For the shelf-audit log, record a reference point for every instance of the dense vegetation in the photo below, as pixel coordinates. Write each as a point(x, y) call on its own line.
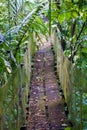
point(71, 19)
point(20, 18)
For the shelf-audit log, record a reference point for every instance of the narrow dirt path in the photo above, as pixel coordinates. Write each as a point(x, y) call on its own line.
point(46, 110)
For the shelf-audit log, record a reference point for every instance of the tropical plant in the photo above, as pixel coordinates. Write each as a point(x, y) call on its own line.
point(71, 18)
point(19, 20)
point(22, 20)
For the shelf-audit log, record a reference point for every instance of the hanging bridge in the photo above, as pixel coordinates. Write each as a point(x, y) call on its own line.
point(46, 108)
point(42, 90)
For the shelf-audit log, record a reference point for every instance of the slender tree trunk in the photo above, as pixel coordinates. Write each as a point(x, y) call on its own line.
point(9, 19)
point(16, 15)
point(50, 18)
point(73, 28)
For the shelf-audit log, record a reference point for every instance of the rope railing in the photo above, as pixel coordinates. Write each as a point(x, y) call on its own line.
point(73, 81)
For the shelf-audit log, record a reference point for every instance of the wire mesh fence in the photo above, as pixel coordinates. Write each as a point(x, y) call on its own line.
point(74, 83)
point(14, 93)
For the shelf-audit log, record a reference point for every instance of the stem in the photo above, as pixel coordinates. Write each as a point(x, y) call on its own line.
point(73, 28)
point(77, 45)
point(71, 48)
point(50, 18)
point(81, 31)
point(9, 19)
point(17, 48)
point(81, 96)
point(16, 17)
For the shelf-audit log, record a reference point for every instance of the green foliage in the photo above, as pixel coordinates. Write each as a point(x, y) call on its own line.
point(10, 102)
point(67, 128)
point(22, 23)
point(19, 20)
point(71, 19)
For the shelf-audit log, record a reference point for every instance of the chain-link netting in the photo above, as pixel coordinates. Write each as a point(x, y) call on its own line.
point(14, 94)
point(74, 83)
